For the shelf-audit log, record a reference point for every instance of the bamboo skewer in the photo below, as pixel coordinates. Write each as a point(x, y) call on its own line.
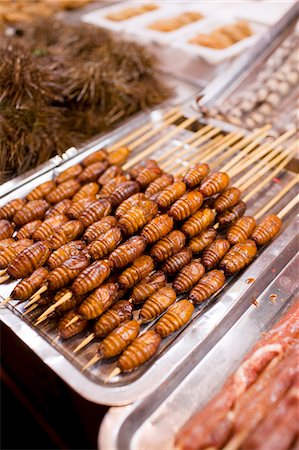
point(91, 362)
point(27, 311)
point(52, 308)
point(5, 301)
point(85, 342)
point(113, 374)
point(3, 271)
point(288, 207)
point(73, 320)
point(4, 278)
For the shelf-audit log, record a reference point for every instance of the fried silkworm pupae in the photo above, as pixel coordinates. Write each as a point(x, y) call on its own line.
point(118, 313)
point(63, 191)
point(201, 220)
point(109, 174)
point(119, 339)
point(97, 229)
point(176, 262)
point(4, 243)
point(127, 204)
point(241, 230)
point(175, 318)
point(186, 206)
point(168, 246)
point(67, 271)
point(92, 277)
point(196, 174)
point(61, 208)
point(188, 276)
point(123, 191)
point(26, 287)
point(89, 190)
point(77, 208)
point(213, 254)
point(95, 211)
point(68, 304)
point(207, 286)
point(142, 267)
point(228, 199)
point(238, 257)
point(266, 230)
point(99, 301)
point(6, 229)
point(63, 253)
point(8, 254)
point(31, 211)
point(8, 211)
point(33, 257)
point(216, 182)
point(170, 194)
point(157, 228)
point(127, 252)
point(228, 217)
point(68, 174)
point(140, 351)
point(147, 175)
point(110, 187)
point(93, 171)
point(27, 230)
point(107, 243)
point(68, 232)
point(49, 227)
point(159, 184)
point(98, 156)
point(65, 331)
point(202, 240)
point(138, 216)
point(156, 304)
point(147, 286)
point(118, 157)
point(145, 164)
point(41, 191)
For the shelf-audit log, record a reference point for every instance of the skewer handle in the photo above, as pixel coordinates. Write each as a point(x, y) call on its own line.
point(288, 207)
point(85, 342)
point(113, 374)
point(91, 362)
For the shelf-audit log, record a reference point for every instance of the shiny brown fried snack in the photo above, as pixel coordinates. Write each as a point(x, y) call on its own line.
point(213, 254)
point(138, 216)
point(119, 339)
point(118, 157)
point(99, 301)
point(95, 212)
point(156, 304)
point(89, 190)
point(238, 257)
point(145, 164)
point(157, 228)
point(186, 206)
point(67, 232)
point(77, 208)
point(127, 204)
point(106, 244)
point(49, 227)
point(147, 175)
point(98, 156)
point(201, 220)
point(67, 272)
point(196, 175)
point(61, 208)
point(109, 174)
point(26, 287)
point(110, 187)
point(176, 262)
point(228, 217)
point(97, 229)
point(92, 277)
point(8, 211)
point(33, 257)
point(31, 211)
point(228, 199)
point(148, 286)
point(66, 331)
point(63, 253)
point(159, 184)
point(69, 174)
point(241, 230)
point(41, 191)
point(199, 242)
point(63, 191)
point(142, 267)
point(123, 191)
point(5, 243)
point(27, 230)
point(266, 230)
point(170, 194)
point(127, 252)
point(175, 318)
point(10, 252)
point(188, 276)
point(207, 286)
point(6, 229)
point(168, 246)
point(118, 313)
point(93, 171)
point(216, 182)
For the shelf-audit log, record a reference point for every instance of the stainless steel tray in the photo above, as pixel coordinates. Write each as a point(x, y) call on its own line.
point(153, 422)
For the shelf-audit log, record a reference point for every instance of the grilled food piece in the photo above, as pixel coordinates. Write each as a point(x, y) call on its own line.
point(49, 227)
point(10, 252)
point(106, 244)
point(196, 175)
point(199, 242)
point(6, 229)
point(118, 313)
point(119, 339)
point(123, 191)
point(118, 157)
point(69, 174)
point(26, 287)
point(4, 243)
point(147, 175)
point(31, 258)
point(159, 184)
point(99, 301)
point(266, 230)
point(142, 267)
point(176, 262)
point(207, 286)
point(99, 228)
point(89, 190)
point(170, 194)
point(238, 257)
point(213, 254)
point(157, 228)
point(216, 182)
point(65, 331)
point(201, 220)
point(77, 208)
point(186, 206)
point(241, 230)
point(168, 246)
point(156, 304)
point(8, 211)
point(148, 286)
point(98, 156)
point(128, 204)
point(27, 230)
point(127, 252)
point(109, 174)
point(41, 191)
point(110, 187)
point(67, 232)
point(61, 208)
point(188, 276)
point(31, 211)
point(175, 318)
point(228, 217)
point(63, 191)
point(228, 199)
point(93, 171)
point(95, 211)
point(63, 253)
point(138, 216)
point(67, 271)
point(92, 277)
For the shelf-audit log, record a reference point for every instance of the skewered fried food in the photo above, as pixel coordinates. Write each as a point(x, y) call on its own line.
point(92, 277)
point(147, 175)
point(119, 339)
point(145, 164)
point(176, 262)
point(138, 216)
point(156, 304)
point(99, 301)
point(41, 191)
point(68, 174)
point(170, 194)
point(95, 211)
point(207, 286)
point(241, 230)
point(6, 229)
point(89, 190)
point(194, 176)
point(230, 216)
point(61, 208)
point(63, 253)
point(49, 227)
point(142, 267)
point(123, 191)
point(98, 156)
point(228, 199)
point(120, 312)
point(159, 184)
point(175, 318)
point(107, 243)
point(109, 174)
point(238, 257)
point(201, 220)
point(148, 286)
point(266, 230)
point(66, 332)
point(127, 252)
point(63, 191)
point(97, 229)
point(26, 287)
point(213, 254)
point(8, 211)
point(157, 228)
point(31, 211)
point(199, 242)
point(128, 204)
point(216, 182)
point(168, 246)
point(77, 208)
point(67, 232)
point(118, 157)
point(186, 206)
point(93, 171)
point(4, 243)
point(110, 187)
point(27, 230)
point(68, 304)
point(188, 276)
point(67, 271)
point(174, 23)
point(31, 258)
point(10, 253)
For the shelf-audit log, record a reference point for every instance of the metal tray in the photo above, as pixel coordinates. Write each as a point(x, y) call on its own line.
point(153, 422)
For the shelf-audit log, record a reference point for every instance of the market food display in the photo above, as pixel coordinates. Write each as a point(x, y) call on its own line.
point(128, 13)
point(174, 23)
point(224, 36)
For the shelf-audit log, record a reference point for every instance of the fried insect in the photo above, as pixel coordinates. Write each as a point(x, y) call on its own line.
point(228, 217)
point(67, 271)
point(77, 208)
point(213, 254)
point(6, 229)
point(97, 229)
point(127, 252)
point(207, 286)
point(120, 312)
point(68, 174)
point(128, 204)
point(26, 287)
point(148, 286)
point(61, 208)
point(216, 182)
point(99, 301)
point(92, 277)
point(140, 351)
point(63, 253)
point(65, 331)
point(9, 253)
point(159, 184)
point(63, 191)
point(238, 257)
point(89, 190)
point(110, 187)
point(67, 232)
point(186, 206)
point(109, 174)
point(119, 339)
point(142, 267)
point(147, 175)
point(175, 318)
point(118, 157)
point(33, 257)
point(8, 211)
point(266, 230)
point(170, 194)
point(68, 304)
point(93, 171)
point(95, 211)
point(241, 230)
point(107, 243)
point(49, 227)
point(145, 164)
point(31, 211)
point(202, 240)
point(157, 228)
point(98, 156)
point(4, 243)
point(201, 220)
point(196, 174)
point(156, 304)
point(176, 262)
point(41, 191)
point(138, 216)
point(168, 246)
point(123, 191)
point(27, 230)
point(188, 276)
point(228, 199)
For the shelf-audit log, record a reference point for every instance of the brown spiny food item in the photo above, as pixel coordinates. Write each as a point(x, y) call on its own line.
point(196, 174)
point(228, 217)
point(26, 287)
point(140, 351)
point(77, 208)
point(176, 262)
point(145, 164)
point(238, 257)
point(186, 206)
point(61, 208)
point(241, 230)
point(148, 286)
point(157, 228)
point(207, 286)
point(6, 229)
point(63, 253)
point(34, 256)
point(68, 174)
point(41, 191)
point(9, 253)
point(175, 318)
point(8, 211)
point(127, 252)
point(216, 182)
point(213, 254)
point(31, 211)
point(95, 211)
point(142, 267)
point(49, 227)
point(4, 243)
point(67, 271)
point(106, 244)
point(138, 216)
point(170, 194)
point(127, 204)
point(266, 230)
point(119, 339)
point(109, 174)
point(118, 313)
point(89, 190)
point(65, 331)
point(157, 303)
point(93, 171)
point(118, 157)
point(228, 199)
point(99, 228)
point(123, 191)
point(67, 232)
point(199, 242)
point(159, 184)
point(98, 156)
point(27, 230)
point(168, 246)
point(201, 220)
point(92, 277)
point(188, 276)
point(99, 301)
point(63, 191)
point(147, 175)
point(110, 187)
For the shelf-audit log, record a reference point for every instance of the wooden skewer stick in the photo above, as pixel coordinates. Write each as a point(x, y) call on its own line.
point(85, 342)
point(3, 271)
point(231, 138)
point(113, 374)
point(52, 308)
point(91, 362)
point(4, 278)
point(32, 301)
point(288, 207)
point(35, 305)
point(40, 291)
point(73, 320)
point(5, 301)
